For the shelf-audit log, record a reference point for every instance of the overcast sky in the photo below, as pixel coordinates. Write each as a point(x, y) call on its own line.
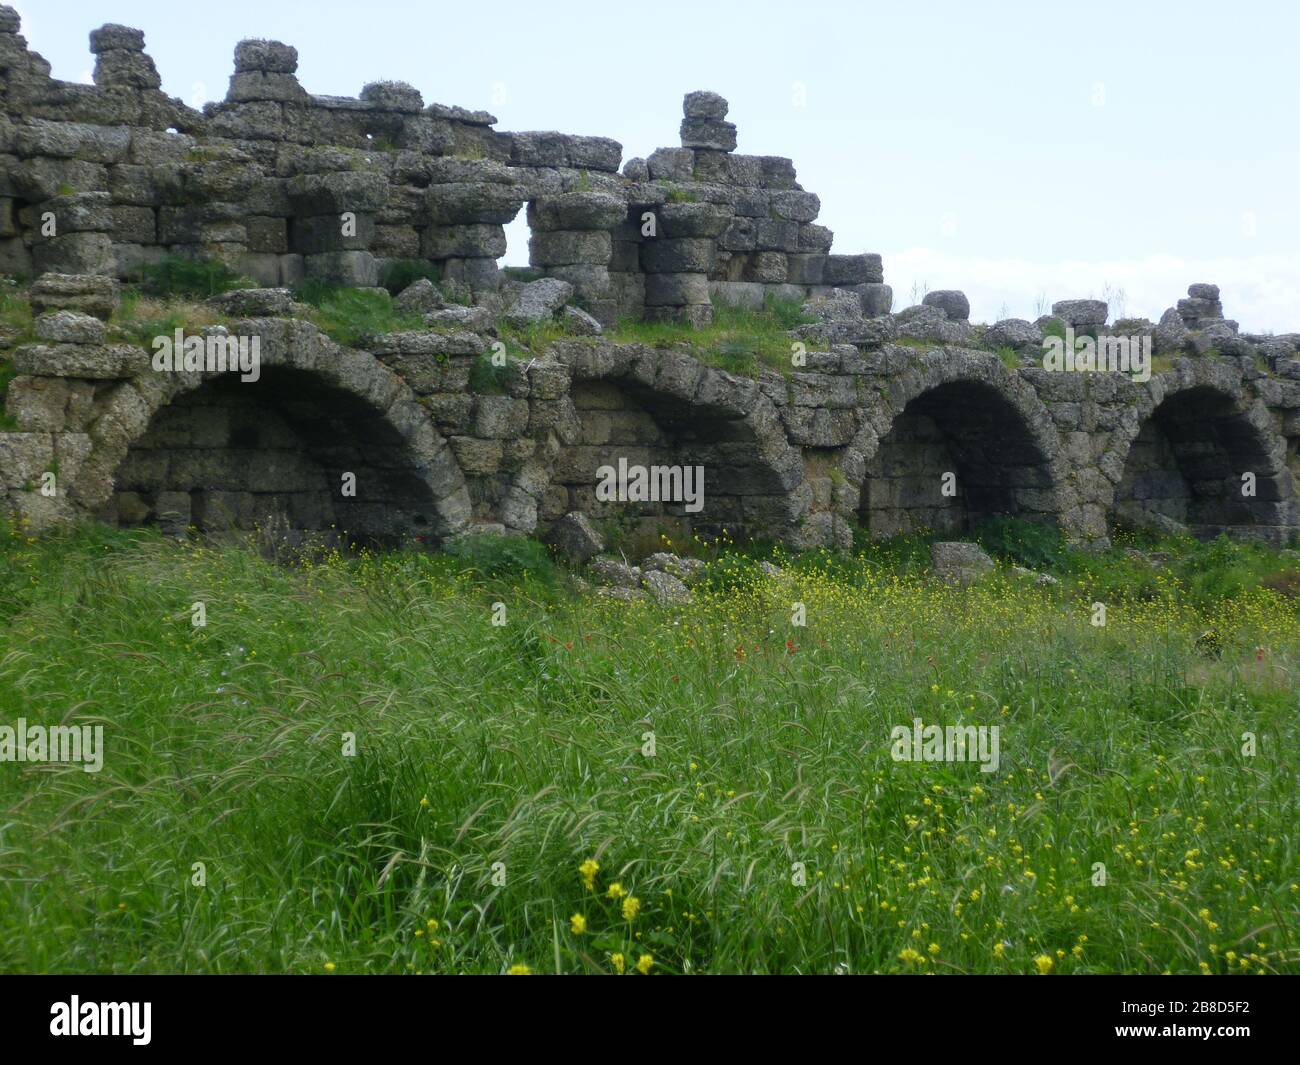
point(1022, 152)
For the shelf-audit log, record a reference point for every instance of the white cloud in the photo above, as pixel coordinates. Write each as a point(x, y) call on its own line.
point(1261, 292)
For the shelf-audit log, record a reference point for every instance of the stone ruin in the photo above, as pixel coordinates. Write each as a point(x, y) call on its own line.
point(259, 180)
point(861, 432)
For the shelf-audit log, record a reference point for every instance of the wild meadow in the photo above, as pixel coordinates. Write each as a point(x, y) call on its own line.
point(348, 768)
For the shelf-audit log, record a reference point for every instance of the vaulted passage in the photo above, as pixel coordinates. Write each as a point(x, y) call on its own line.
point(746, 485)
point(1186, 466)
point(273, 455)
point(967, 430)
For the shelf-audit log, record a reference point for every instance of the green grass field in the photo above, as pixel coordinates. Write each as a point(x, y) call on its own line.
point(507, 806)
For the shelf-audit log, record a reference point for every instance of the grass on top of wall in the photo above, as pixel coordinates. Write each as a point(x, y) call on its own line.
point(740, 340)
point(351, 316)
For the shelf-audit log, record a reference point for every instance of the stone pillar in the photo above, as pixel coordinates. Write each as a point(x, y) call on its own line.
point(70, 234)
point(572, 239)
point(265, 71)
point(333, 224)
point(120, 60)
point(678, 259)
point(466, 209)
point(627, 282)
point(52, 399)
point(14, 257)
point(265, 80)
point(26, 74)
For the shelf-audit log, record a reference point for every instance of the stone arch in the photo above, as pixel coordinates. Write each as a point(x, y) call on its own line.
point(1183, 450)
point(205, 448)
point(665, 408)
point(965, 414)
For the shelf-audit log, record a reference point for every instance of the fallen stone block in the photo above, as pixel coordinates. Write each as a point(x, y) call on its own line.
point(576, 538)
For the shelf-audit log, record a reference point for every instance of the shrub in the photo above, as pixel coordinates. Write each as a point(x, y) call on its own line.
point(904, 554)
point(401, 273)
point(352, 315)
point(485, 379)
point(1285, 583)
point(504, 557)
point(1025, 542)
point(174, 276)
point(787, 313)
point(732, 571)
point(522, 273)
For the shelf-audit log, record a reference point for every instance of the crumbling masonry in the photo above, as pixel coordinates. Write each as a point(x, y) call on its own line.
point(861, 431)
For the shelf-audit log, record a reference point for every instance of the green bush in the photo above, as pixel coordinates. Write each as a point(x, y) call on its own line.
point(401, 273)
point(177, 277)
point(785, 312)
point(522, 273)
point(504, 557)
point(902, 554)
point(1025, 542)
point(731, 571)
point(353, 315)
point(485, 379)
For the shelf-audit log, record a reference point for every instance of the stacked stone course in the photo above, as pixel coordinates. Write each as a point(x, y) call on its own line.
point(262, 180)
point(287, 186)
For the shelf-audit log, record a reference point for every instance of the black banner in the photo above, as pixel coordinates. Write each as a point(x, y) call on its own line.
point(83, 1015)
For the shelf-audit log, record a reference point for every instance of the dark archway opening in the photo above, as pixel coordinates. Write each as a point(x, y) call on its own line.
point(274, 456)
point(956, 456)
point(1184, 470)
point(743, 491)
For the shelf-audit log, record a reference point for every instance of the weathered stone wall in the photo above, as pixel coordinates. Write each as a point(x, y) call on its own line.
point(863, 430)
point(262, 180)
point(866, 437)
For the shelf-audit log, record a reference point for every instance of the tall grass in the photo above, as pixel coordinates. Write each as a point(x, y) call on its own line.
point(491, 762)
